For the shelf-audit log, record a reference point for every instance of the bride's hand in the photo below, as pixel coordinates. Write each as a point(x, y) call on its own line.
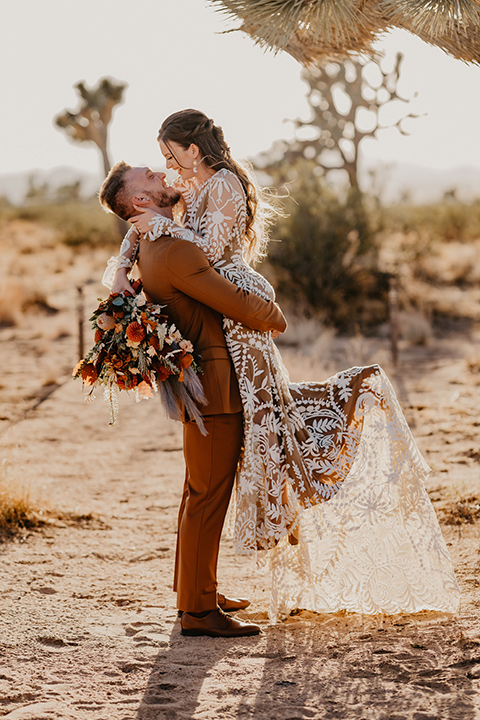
point(143, 218)
point(121, 284)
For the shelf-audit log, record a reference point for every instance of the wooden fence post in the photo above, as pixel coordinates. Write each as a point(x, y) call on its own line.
point(393, 318)
point(80, 318)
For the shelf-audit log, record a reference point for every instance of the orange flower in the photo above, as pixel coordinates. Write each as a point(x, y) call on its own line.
point(154, 342)
point(121, 382)
point(135, 332)
point(98, 335)
point(185, 361)
point(89, 374)
point(162, 372)
point(144, 390)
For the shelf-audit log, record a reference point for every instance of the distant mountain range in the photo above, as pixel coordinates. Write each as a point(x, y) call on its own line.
point(422, 185)
point(394, 182)
point(14, 186)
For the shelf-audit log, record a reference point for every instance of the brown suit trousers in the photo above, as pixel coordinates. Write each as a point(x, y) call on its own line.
point(177, 274)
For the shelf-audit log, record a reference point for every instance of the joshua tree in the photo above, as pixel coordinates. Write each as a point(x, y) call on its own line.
point(90, 122)
point(319, 30)
point(346, 102)
point(328, 256)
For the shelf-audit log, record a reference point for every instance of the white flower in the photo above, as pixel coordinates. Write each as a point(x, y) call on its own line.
point(176, 335)
point(186, 345)
point(161, 332)
point(106, 322)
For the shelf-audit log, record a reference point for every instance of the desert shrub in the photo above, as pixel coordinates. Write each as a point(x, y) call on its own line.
point(449, 220)
point(18, 298)
point(465, 511)
point(12, 298)
point(451, 263)
point(78, 223)
point(17, 509)
point(325, 259)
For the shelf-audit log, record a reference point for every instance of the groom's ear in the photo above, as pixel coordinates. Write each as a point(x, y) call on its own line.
point(140, 200)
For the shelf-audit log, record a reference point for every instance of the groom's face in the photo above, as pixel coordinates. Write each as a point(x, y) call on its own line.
point(146, 183)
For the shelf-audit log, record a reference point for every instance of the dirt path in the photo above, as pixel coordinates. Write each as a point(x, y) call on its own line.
point(88, 626)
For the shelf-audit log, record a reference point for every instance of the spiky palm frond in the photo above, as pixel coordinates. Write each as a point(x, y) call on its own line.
point(461, 44)
point(435, 18)
point(312, 30)
point(276, 21)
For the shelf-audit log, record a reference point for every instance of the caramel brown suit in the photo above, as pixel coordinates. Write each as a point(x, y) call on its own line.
point(177, 274)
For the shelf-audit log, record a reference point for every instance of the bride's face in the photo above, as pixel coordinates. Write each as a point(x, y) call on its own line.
point(179, 158)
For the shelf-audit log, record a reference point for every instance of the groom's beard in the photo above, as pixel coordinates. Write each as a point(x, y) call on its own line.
point(162, 198)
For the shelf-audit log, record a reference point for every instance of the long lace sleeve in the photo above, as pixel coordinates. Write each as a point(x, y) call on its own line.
point(125, 258)
point(225, 216)
point(162, 225)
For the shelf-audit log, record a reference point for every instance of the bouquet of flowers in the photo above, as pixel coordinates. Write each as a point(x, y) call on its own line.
point(136, 348)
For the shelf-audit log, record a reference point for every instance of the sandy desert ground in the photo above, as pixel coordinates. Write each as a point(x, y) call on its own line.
point(88, 625)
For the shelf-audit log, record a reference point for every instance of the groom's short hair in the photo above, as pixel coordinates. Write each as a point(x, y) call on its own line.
point(114, 194)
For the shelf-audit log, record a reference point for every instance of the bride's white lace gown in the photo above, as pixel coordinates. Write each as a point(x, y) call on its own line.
point(330, 488)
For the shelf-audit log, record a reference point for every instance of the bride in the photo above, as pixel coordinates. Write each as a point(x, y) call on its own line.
point(330, 487)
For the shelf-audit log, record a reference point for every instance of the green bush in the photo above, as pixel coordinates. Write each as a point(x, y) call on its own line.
point(325, 260)
point(78, 223)
point(448, 220)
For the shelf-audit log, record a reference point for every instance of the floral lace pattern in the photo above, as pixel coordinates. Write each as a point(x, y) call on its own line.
point(123, 259)
point(214, 214)
point(376, 545)
point(330, 488)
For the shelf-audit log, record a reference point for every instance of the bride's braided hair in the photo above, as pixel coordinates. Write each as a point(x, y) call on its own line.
point(192, 126)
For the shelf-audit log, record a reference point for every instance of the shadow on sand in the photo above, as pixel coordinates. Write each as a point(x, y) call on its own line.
point(344, 667)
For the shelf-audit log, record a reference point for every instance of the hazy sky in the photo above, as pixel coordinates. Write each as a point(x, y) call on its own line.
point(172, 55)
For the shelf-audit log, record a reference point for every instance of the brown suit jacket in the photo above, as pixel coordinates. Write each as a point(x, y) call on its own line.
point(177, 274)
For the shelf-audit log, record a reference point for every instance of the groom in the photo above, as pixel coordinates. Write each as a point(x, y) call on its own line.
point(177, 274)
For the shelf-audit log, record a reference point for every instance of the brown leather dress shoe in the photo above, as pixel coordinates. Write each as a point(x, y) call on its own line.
point(232, 604)
point(217, 624)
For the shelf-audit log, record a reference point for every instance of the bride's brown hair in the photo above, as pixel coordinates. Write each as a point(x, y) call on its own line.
point(192, 126)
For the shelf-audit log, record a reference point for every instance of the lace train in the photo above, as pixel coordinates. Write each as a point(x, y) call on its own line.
point(330, 488)
point(376, 546)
